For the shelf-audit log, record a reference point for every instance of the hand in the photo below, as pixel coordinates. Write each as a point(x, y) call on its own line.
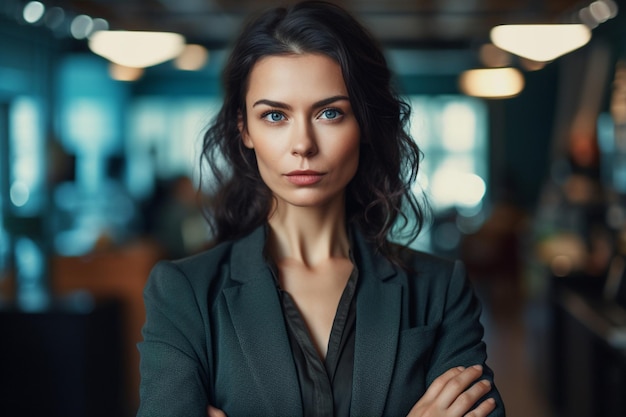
point(450, 395)
point(215, 412)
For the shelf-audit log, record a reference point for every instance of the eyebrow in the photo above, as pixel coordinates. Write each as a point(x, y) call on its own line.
point(280, 105)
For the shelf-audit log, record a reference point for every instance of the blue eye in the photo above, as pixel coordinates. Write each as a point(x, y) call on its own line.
point(330, 114)
point(274, 116)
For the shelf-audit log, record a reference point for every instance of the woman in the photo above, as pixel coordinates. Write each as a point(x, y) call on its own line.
point(304, 307)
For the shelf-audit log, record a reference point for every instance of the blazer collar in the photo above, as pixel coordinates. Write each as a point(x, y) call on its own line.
point(248, 258)
point(370, 259)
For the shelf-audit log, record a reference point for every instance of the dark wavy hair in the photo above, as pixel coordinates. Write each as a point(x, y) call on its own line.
point(380, 193)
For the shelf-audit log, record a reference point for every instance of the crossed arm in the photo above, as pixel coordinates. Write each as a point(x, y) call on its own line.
point(453, 394)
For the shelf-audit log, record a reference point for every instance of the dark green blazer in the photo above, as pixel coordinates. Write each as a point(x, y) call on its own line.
point(215, 333)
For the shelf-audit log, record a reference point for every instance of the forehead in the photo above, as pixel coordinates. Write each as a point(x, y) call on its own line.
point(303, 75)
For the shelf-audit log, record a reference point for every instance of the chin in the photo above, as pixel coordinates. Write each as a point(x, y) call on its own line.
point(312, 200)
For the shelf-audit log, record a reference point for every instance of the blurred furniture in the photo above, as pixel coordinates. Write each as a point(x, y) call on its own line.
point(588, 350)
point(62, 362)
point(121, 273)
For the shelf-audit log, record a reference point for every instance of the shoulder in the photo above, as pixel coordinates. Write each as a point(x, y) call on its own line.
point(417, 262)
point(192, 275)
point(207, 262)
point(436, 287)
point(428, 273)
point(227, 264)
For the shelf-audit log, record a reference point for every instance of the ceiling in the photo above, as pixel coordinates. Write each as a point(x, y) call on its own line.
point(411, 23)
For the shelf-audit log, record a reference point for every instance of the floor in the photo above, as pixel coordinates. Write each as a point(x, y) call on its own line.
point(512, 323)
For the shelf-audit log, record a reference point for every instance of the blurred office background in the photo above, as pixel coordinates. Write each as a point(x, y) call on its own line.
point(99, 167)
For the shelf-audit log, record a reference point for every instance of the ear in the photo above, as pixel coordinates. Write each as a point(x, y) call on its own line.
point(243, 132)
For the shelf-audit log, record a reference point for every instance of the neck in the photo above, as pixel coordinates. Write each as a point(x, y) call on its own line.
point(308, 235)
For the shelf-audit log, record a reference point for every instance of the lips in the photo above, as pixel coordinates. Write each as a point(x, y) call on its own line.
point(304, 177)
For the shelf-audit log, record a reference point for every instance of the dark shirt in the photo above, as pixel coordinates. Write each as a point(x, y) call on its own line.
point(325, 385)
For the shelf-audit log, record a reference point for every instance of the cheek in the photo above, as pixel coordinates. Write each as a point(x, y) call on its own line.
point(354, 162)
point(267, 161)
point(347, 162)
point(266, 154)
point(258, 143)
point(265, 171)
point(349, 151)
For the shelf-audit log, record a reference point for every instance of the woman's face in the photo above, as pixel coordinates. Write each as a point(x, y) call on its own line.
point(301, 126)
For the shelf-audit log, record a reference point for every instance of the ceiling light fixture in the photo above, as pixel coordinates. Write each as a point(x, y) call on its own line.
point(493, 57)
point(541, 43)
point(122, 73)
point(192, 58)
point(136, 48)
point(492, 82)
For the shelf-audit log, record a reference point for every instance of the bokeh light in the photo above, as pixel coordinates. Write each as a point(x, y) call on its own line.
point(33, 11)
point(81, 27)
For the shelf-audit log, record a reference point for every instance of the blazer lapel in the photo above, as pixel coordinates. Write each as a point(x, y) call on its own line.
point(257, 317)
point(255, 311)
point(378, 313)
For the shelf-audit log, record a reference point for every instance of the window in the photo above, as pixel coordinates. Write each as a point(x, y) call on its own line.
point(165, 139)
point(24, 203)
point(26, 158)
point(451, 131)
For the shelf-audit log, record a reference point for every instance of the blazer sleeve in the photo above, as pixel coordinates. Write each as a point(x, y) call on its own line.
point(173, 375)
point(460, 338)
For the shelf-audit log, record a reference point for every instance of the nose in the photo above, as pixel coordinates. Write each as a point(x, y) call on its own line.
point(304, 143)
